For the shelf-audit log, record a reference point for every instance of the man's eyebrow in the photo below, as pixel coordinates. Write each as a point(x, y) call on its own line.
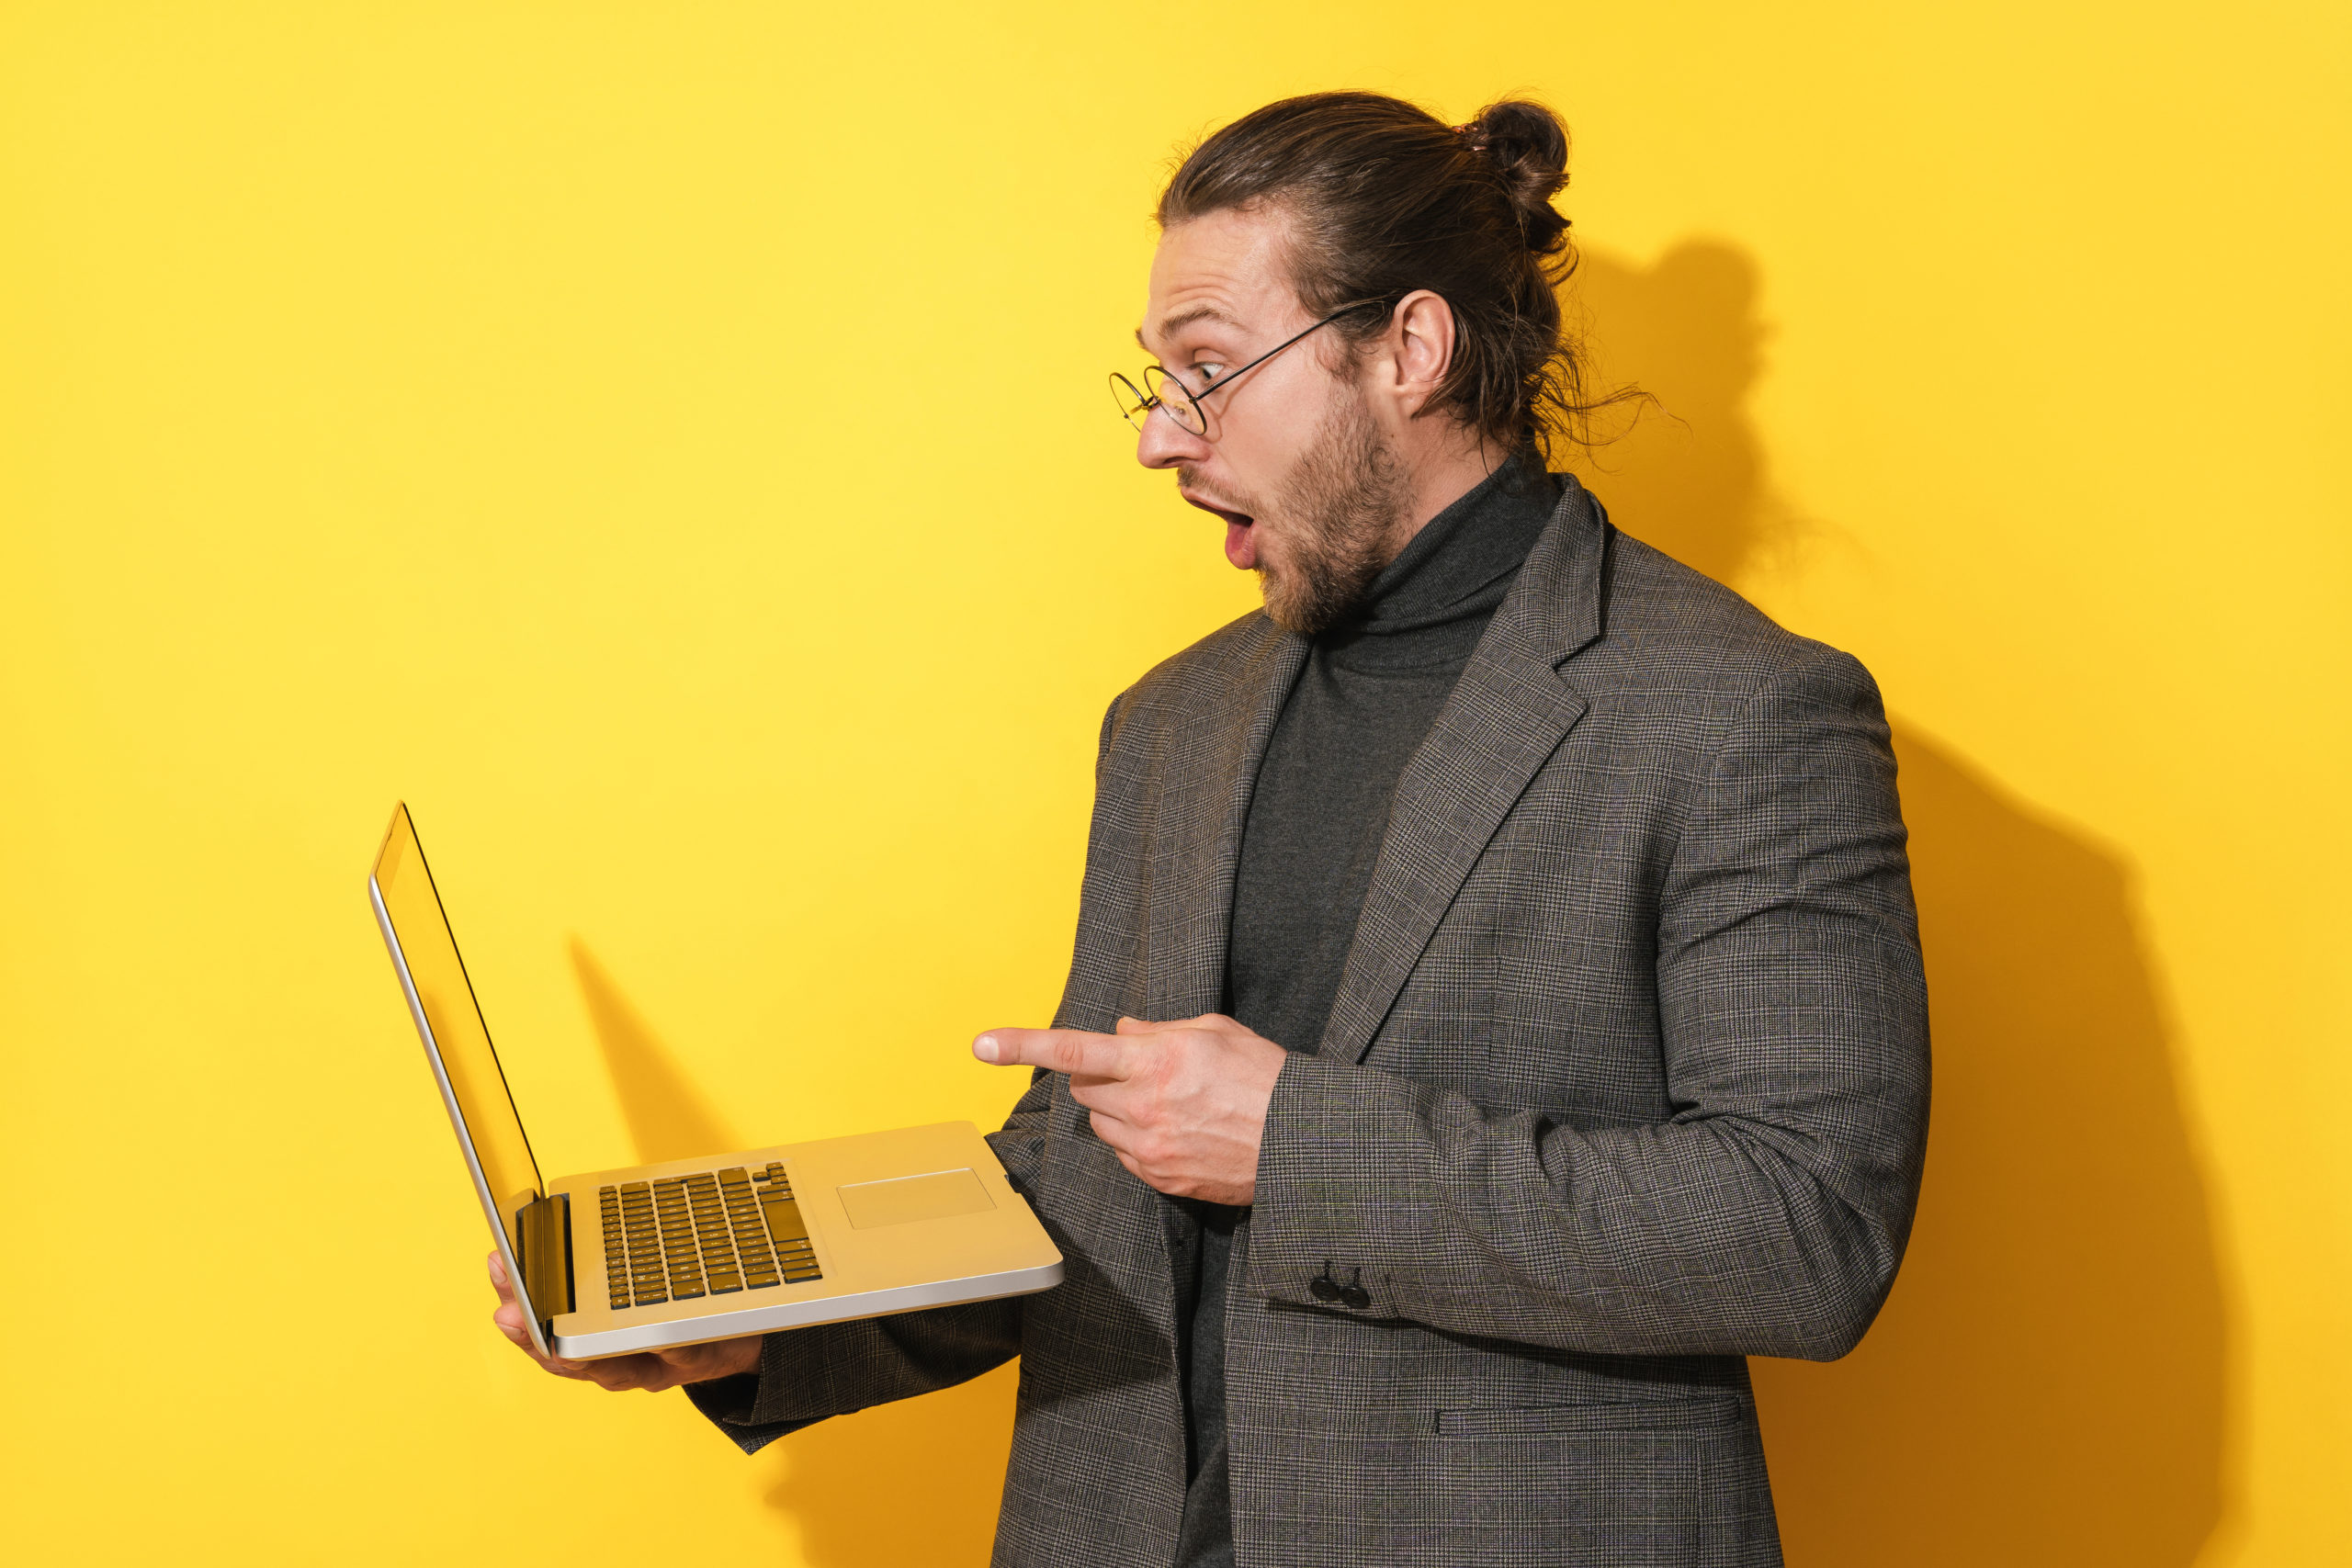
point(1186, 318)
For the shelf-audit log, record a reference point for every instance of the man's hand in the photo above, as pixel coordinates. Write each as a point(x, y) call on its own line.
point(1182, 1104)
point(652, 1370)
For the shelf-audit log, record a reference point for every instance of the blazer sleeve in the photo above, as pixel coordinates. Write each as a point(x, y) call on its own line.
point(1767, 1213)
point(808, 1374)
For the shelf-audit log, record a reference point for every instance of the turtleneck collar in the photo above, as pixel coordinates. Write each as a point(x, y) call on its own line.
point(1449, 580)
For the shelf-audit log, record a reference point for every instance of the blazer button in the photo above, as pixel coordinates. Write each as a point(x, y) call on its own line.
point(1355, 1296)
point(1324, 1288)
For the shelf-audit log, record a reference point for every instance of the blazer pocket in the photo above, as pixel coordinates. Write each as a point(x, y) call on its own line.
point(1692, 1413)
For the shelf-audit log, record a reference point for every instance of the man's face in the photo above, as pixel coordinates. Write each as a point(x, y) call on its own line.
point(1293, 461)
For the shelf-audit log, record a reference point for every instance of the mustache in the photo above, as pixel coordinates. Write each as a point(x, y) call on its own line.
point(1188, 478)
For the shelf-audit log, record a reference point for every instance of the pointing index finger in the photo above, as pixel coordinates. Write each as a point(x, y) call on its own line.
point(1058, 1050)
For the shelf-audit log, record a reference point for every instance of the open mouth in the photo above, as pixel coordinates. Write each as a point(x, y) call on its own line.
point(1241, 538)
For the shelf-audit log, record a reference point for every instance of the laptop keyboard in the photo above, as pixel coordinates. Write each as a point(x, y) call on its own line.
point(706, 1235)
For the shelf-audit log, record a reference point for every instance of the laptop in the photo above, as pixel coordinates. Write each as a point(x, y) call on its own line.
point(642, 1258)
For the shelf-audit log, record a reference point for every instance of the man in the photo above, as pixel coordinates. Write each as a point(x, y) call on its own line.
point(1497, 1005)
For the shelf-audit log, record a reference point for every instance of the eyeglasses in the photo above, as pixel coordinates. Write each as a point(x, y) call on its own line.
point(1169, 394)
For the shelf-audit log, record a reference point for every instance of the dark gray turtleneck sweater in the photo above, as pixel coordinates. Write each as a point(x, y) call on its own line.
point(1365, 700)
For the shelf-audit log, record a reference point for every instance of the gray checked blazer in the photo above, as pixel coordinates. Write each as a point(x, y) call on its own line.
point(1626, 1081)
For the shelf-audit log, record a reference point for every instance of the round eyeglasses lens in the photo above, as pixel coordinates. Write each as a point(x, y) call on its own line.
point(1133, 406)
point(1174, 400)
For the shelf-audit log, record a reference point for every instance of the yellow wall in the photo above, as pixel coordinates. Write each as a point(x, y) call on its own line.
point(666, 444)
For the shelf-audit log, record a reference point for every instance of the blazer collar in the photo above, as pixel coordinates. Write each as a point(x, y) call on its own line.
point(1208, 773)
point(1553, 610)
point(1507, 715)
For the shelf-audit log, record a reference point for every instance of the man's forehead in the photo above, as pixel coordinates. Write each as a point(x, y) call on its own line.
point(1223, 269)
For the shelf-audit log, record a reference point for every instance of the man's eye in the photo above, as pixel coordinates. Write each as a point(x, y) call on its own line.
point(1204, 376)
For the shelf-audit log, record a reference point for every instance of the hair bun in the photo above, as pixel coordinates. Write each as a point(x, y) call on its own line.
point(1529, 148)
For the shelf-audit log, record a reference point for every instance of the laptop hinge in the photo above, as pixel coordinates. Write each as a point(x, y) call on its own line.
point(545, 1225)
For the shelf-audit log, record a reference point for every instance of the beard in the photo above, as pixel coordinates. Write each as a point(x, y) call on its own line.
point(1338, 513)
point(1343, 502)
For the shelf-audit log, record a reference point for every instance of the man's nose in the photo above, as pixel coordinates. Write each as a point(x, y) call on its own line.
point(1164, 444)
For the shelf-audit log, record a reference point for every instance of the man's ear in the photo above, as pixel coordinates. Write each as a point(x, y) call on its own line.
point(1420, 333)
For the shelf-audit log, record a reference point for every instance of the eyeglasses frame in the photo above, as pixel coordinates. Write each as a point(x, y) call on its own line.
point(1147, 398)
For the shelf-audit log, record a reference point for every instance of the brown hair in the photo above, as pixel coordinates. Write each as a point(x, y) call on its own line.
point(1385, 199)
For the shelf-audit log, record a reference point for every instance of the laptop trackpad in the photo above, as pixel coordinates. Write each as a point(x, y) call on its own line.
point(902, 1200)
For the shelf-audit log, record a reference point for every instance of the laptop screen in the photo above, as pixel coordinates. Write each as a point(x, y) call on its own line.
point(453, 1021)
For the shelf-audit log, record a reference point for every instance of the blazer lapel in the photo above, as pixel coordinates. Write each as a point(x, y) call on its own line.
point(1505, 717)
point(1209, 772)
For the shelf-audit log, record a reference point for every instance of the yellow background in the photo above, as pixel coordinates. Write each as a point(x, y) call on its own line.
point(666, 444)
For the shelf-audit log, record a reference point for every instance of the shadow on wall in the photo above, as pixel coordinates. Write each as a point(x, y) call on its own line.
point(914, 1483)
point(1685, 473)
point(2045, 1387)
point(667, 1116)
